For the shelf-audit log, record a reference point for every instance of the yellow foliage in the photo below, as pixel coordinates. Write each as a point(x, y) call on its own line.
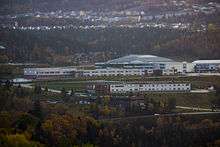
point(18, 140)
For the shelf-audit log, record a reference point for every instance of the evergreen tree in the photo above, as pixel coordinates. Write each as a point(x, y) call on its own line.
point(46, 89)
point(8, 84)
point(72, 92)
point(37, 89)
point(19, 91)
point(64, 93)
point(37, 111)
point(171, 104)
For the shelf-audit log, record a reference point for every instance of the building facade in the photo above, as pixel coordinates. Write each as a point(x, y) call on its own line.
point(206, 66)
point(49, 73)
point(140, 87)
point(136, 62)
point(112, 72)
point(150, 87)
point(148, 64)
point(173, 68)
point(131, 65)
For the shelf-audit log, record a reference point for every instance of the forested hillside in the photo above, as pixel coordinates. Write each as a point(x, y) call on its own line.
point(201, 45)
point(60, 32)
point(27, 119)
point(44, 46)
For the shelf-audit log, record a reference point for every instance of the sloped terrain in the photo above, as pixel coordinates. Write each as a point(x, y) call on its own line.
point(203, 45)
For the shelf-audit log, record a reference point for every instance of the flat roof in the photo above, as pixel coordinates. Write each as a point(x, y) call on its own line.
point(52, 69)
point(206, 62)
point(137, 82)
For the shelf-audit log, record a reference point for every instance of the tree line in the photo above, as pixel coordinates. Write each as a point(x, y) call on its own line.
point(26, 119)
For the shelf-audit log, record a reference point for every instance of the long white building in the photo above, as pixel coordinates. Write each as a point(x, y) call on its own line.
point(150, 87)
point(112, 72)
point(49, 73)
point(206, 65)
point(169, 69)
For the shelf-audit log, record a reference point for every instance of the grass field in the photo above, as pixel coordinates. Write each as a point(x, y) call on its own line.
point(76, 86)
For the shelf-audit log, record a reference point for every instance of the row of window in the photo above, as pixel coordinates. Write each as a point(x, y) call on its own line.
point(94, 75)
point(112, 71)
point(152, 85)
point(118, 73)
point(152, 89)
point(48, 72)
point(55, 72)
point(163, 85)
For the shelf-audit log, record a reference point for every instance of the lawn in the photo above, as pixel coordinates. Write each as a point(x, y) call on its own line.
point(76, 86)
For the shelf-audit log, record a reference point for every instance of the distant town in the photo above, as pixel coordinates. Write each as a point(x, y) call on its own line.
point(130, 18)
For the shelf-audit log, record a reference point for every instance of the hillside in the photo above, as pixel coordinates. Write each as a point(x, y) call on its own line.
point(44, 46)
point(202, 45)
point(54, 31)
point(37, 46)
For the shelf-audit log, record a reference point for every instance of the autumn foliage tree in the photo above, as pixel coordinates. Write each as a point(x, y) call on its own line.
point(66, 130)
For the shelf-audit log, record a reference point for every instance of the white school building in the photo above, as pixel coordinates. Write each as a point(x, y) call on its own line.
point(150, 87)
point(49, 73)
point(112, 72)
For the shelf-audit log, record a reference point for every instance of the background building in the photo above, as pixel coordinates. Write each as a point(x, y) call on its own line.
point(173, 68)
point(131, 65)
point(147, 64)
point(49, 73)
point(206, 65)
point(136, 61)
point(112, 72)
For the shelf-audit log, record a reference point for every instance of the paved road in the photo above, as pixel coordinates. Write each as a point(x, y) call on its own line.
point(200, 91)
point(31, 87)
point(202, 74)
point(157, 115)
point(197, 108)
